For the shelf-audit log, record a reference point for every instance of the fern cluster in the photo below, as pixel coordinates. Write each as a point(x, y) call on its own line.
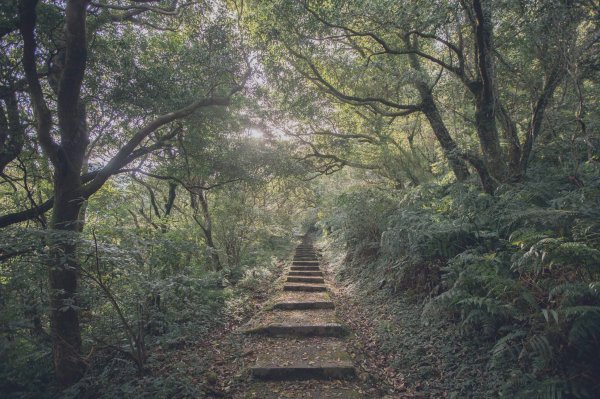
point(521, 268)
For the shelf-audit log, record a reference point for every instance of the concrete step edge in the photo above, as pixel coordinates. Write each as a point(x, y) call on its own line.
point(343, 370)
point(300, 330)
point(305, 288)
point(303, 305)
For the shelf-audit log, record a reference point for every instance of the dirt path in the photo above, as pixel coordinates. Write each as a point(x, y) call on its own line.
point(315, 338)
point(296, 346)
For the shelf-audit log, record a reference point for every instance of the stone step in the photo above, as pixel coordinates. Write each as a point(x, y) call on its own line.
point(307, 389)
point(305, 263)
point(314, 265)
point(304, 279)
point(304, 287)
point(295, 317)
point(305, 268)
point(300, 359)
point(300, 296)
point(300, 330)
point(303, 305)
point(306, 273)
point(302, 371)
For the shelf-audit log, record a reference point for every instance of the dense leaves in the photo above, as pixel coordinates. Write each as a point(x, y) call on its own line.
point(156, 155)
point(520, 268)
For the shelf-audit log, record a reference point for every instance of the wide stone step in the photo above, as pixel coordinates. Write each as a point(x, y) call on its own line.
point(300, 330)
point(305, 268)
point(304, 371)
point(307, 389)
point(312, 280)
point(306, 258)
point(306, 273)
point(299, 296)
point(305, 263)
point(313, 268)
point(304, 287)
point(300, 359)
point(303, 305)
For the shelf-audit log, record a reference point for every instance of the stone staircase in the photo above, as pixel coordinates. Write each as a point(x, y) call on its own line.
point(301, 337)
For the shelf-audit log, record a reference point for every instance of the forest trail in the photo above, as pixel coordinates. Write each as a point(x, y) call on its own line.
point(297, 342)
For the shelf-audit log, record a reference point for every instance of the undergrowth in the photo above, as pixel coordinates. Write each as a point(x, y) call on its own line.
point(520, 269)
point(147, 301)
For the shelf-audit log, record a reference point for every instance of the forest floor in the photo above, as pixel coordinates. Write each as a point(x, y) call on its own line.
point(394, 354)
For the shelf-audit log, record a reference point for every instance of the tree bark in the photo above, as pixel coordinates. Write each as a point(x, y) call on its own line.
point(67, 159)
point(511, 135)
point(442, 134)
point(12, 135)
point(488, 182)
point(63, 276)
point(214, 255)
point(551, 82)
point(484, 89)
point(206, 226)
point(430, 109)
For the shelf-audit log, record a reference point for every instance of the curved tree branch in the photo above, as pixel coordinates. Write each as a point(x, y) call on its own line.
point(27, 17)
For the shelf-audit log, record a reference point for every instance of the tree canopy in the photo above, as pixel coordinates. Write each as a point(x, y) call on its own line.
point(156, 156)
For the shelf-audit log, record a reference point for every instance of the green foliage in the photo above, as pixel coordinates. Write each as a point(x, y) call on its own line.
point(176, 240)
point(519, 268)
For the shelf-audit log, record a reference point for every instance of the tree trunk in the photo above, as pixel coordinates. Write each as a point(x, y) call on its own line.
point(551, 82)
point(63, 271)
point(207, 230)
point(488, 182)
point(12, 135)
point(67, 158)
point(485, 120)
point(484, 89)
point(511, 136)
point(436, 122)
point(443, 136)
point(67, 216)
